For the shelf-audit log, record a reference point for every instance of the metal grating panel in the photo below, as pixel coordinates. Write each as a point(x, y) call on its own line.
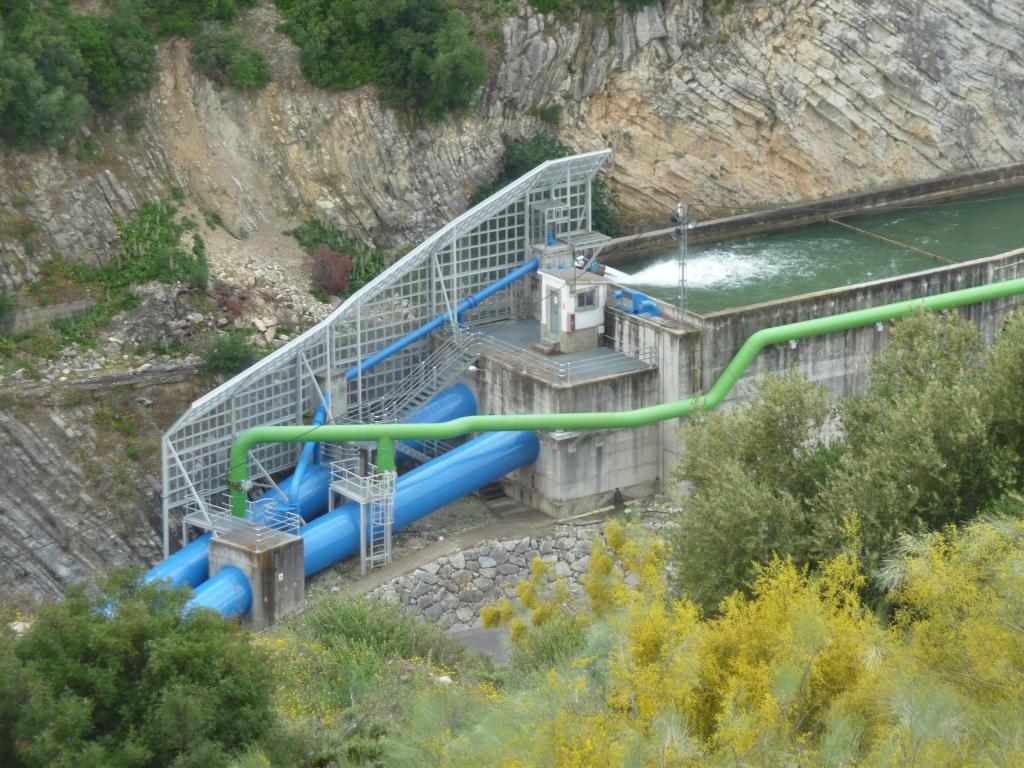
point(466, 255)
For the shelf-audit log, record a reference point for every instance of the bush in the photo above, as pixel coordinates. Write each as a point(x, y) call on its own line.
point(222, 55)
point(228, 353)
point(419, 52)
point(906, 461)
point(912, 462)
point(152, 249)
point(798, 673)
point(752, 473)
point(330, 270)
point(366, 262)
point(126, 677)
point(386, 630)
point(1002, 385)
point(183, 17)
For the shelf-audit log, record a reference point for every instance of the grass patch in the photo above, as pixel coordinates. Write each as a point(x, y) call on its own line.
point(228, 353)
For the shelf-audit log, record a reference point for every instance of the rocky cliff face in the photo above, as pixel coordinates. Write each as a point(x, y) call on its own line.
point(780, 100)
point(79, 481)
point(796, 99)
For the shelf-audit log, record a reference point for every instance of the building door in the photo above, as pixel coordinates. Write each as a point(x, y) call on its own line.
point(554, 312)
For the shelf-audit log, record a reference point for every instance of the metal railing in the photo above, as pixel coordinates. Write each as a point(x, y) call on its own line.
point(529, 361)
point(265, 521)
point(440, 369)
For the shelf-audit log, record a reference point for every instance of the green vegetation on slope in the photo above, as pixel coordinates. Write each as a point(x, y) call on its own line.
point(420, 53)
point(156, 245)
point(58, 66)
point(797, 666)
point(222, 55)
point(184, 18)
point(801, 672)
point(123, 677)
point(341, 265)
point(935, 440)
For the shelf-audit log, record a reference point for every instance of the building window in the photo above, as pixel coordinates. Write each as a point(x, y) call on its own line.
point(586, 300)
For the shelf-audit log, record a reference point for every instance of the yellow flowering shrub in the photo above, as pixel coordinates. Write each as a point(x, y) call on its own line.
point(794, 672)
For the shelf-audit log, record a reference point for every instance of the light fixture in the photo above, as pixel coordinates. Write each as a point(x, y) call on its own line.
point(681, 217)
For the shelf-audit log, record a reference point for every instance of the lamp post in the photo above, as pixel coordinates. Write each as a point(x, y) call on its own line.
point(681, 218)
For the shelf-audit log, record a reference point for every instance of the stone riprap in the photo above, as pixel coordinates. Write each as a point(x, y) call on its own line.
point(451, 590)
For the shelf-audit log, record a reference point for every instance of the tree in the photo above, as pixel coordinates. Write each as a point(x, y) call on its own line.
point(931, 442)
point(421, 54)
point(1002, 385)
point(456, 71)
point(919, 453)
point(222, 55)
point(56, 66)
point(127, 677)
point(751, 473)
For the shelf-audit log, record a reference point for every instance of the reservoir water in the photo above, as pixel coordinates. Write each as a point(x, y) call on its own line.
point(775, 266)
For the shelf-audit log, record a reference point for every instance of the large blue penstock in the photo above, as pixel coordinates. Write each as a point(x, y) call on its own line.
point(335, 536)
point(229, 594)
point(190, 564)
point(453, 403)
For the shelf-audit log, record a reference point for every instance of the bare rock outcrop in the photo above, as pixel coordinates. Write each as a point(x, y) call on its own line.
point(778, 100)
point(80, 487)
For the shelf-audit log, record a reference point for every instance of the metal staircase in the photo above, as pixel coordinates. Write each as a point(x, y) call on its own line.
point(442, 368)
point(374, 490)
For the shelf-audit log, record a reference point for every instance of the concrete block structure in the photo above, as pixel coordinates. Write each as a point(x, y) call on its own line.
point(274, 566)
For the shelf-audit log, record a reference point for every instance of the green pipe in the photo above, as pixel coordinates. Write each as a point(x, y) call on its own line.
point(238, 471)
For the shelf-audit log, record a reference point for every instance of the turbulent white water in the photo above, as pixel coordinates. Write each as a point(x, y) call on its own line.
point(712, 269)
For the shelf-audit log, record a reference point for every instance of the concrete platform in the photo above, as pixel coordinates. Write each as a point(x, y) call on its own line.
point(512, 342)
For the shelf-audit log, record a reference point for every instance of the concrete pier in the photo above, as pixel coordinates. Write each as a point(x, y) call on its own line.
point(274, 567)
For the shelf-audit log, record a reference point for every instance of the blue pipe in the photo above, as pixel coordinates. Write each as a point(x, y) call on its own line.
point(307, 454)
point(639, 304)
point(190, 564)
point(499, 285)
point(228, 593)
point(453, 403)
point(335, 536)
point(472, 465)
point(425, 330)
